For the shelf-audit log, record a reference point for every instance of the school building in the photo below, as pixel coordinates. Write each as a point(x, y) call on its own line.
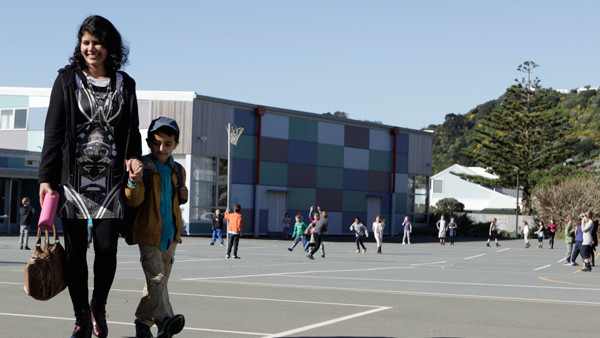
point(284, 161)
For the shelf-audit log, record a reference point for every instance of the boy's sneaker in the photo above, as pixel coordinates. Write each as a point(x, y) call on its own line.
point(142, 331)
point(221, 244)
point(236, 257)
point(497, 245)
point(171, 326)
point(309, 256)
point(212, 243)
point(227, 256)
point(567, 263)
point(290, 249)
point(487, 244)
point(574, 264)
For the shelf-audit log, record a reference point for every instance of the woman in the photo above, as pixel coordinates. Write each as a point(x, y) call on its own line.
point(360, 231)
point(493, 233)
point(551, 233)
point(540, 234)
point(526, 234)
point(442, 227)
point(90, 145)
point(587, 225)
point(378, 226)
point(569, 239)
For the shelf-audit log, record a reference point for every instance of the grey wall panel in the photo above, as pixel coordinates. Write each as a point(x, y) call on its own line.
point(180, 111)
point(419, 154)
point(209, 126)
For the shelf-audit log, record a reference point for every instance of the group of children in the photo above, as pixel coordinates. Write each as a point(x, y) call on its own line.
point(579, 239)
point(446, 229)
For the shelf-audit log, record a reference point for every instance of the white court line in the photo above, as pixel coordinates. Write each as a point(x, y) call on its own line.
point(328, 322)
point(541, 267)
point(416, 264)
point(562, 260)
point(503, 249)
point(131, 324)
point(181, 261)
point(474, 256)
point(295, 273)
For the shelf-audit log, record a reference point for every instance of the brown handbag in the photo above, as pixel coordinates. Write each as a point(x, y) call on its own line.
point(44, 273)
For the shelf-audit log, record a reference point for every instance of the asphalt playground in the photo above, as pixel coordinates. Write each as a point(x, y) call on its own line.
point(418, 290)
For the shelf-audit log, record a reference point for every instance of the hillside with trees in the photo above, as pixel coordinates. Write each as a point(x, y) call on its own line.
point(548, 135)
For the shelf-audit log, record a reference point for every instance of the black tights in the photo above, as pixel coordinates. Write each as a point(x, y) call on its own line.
point(106, 235)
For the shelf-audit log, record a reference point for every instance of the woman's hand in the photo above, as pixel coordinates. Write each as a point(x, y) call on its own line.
point(45, 188)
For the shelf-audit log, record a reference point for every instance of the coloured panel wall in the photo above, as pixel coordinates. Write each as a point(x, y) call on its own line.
point(242, 194)
point(303, 129)
point(242, 171)
point(245, 148)
point(330, 155)
point(300, 199)
point(401, 200)
point(330, 178)
point(331, 133)
point(302, 152)
point(356, 137)
point(380, 140)
point(401, 183)
point(380, 160)
point(356, 179)
point(274, 150)
point(245, 118)
point(380, 181)
point(356, 158)
point(402, 163)
point(355, 201)
point(272, 173)
point(334, 223)
point(302, 176)
point(330, 200)
point(275, 126)
point(402, 143)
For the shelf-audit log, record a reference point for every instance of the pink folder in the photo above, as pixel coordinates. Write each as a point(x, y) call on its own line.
point(49, 206)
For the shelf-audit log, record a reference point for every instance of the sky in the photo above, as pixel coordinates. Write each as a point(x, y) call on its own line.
point(402, 63)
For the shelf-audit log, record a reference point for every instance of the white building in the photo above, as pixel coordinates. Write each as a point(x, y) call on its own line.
point(475, 197)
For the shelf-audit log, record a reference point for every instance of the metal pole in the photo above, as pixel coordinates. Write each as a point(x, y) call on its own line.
point(517, 207)
point(228, 162)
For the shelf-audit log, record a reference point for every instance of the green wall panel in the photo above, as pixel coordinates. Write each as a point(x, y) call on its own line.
point(272, 173)
point(401, 203)
point(380, 160)
point(355, 201)
point(330, 178)
point(14, 101)
point(303, 129)
point(330, 155)
point(246, 148)
point(300, 199)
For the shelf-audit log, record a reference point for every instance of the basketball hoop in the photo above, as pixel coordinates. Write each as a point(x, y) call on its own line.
point(234, 133)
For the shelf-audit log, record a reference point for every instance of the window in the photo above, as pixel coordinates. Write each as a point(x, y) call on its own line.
point(13, 118)
point(209, 187)
point(438, 186)
point(418, 197)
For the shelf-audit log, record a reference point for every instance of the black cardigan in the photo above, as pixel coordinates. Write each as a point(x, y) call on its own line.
point(58, 155)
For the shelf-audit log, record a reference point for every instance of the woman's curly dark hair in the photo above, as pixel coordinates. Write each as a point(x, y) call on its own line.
point(109, 37)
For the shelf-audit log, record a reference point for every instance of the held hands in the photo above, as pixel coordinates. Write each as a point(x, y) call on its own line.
point(134, 169)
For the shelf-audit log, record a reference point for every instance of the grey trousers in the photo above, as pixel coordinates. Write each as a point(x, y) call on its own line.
point(24, 236)
point(155, 305)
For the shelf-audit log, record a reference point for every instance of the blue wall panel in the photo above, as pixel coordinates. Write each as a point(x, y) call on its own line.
point(302, 152)
point(275, 126)
point(401, 163)
point(243, 171)
point(356, 179)
point(247, 119)
point(402, 143)
point(263, 221)
point(380, 140)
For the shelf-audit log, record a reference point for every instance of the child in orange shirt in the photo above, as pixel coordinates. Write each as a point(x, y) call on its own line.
point(234, 230)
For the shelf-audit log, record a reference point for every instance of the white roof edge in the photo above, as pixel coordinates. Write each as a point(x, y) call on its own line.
point(166, 95)
point(141, 94)
point(26, 91)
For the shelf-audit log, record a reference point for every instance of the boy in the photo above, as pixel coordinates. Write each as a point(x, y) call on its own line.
point(234, 230)
point(298, 234)
point(158, 225)
point(26, 213)
point(320, 227)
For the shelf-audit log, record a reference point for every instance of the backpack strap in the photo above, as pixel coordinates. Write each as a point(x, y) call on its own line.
point(180, 182)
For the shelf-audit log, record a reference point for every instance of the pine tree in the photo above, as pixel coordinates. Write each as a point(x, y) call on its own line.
point(526, 132)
